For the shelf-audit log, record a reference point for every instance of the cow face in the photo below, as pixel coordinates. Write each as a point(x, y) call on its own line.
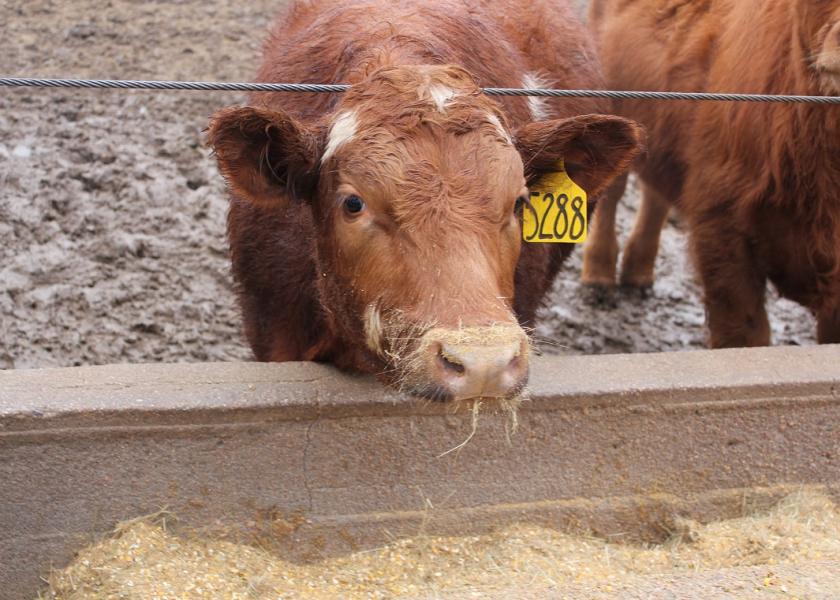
point(819, 32)
point(416, 185)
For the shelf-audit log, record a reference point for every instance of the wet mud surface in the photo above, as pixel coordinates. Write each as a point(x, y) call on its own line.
point(112, 211)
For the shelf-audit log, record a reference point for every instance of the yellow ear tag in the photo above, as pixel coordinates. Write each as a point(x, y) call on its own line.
point(557, 210)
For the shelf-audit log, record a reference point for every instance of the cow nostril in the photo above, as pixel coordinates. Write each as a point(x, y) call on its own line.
point(450, 363)
point(514, 362)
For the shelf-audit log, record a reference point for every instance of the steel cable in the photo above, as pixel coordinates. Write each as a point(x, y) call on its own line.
point(337, 88)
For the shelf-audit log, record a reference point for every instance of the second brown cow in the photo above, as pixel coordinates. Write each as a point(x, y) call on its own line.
point(757, 184)
point(380, 230)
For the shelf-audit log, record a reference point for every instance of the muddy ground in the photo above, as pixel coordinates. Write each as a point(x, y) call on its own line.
point(112, 212)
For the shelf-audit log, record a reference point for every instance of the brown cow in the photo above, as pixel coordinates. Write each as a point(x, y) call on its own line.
point(757, 184)
point(380, 229)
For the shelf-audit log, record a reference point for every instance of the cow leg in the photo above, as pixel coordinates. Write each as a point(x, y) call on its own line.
point(640, 252)
point(733, 282)
point(828, 326)
point(601, 250)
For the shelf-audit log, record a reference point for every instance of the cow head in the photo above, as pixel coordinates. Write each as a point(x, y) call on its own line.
point(819, 34)
point(416, 183)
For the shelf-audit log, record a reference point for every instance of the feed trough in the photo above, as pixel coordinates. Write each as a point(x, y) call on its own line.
point(611, 445)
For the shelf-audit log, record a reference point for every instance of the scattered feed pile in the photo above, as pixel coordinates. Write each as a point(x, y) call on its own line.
point(144, 560)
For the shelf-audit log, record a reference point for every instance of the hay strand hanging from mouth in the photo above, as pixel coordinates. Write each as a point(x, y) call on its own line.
point(509, 406)
point(475, 408)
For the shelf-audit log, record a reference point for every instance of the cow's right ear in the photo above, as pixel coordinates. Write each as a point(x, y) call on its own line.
point(266, 156)
point(594, 148)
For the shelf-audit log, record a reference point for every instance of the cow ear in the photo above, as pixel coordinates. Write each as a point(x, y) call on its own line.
point(266, 156)
point(594, 148)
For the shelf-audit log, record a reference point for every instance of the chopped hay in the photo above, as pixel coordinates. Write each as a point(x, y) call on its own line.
point(142, 560)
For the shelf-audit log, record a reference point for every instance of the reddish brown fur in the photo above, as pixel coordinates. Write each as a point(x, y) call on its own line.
point(440, 243)
point(757, 183)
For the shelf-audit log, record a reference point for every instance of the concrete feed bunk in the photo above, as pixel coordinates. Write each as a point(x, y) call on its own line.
point(615, 444)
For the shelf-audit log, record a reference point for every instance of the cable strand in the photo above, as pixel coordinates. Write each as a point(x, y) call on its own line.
point(338, 88)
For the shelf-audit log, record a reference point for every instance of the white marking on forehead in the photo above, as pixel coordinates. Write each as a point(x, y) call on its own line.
point(440, 95)
point(501, 129)
point(538, 106)
point(342, 131)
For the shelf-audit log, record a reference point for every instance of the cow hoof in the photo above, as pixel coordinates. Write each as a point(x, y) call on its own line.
point(637, 291)
point(599, 295)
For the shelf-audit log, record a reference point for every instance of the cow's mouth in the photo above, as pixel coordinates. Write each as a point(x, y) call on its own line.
point(435, 393)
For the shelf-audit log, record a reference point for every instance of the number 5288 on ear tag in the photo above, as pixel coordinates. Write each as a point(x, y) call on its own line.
point(557, 210)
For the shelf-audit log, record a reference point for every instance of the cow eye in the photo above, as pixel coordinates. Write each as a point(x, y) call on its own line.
point(354, 205)
point(520, 202)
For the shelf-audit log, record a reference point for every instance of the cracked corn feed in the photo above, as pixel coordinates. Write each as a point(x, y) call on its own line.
point(142, 560)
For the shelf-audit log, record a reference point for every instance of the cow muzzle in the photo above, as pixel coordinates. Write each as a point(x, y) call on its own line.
point(472, 362)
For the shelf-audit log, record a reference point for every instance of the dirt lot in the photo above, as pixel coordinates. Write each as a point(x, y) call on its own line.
point(112, 212)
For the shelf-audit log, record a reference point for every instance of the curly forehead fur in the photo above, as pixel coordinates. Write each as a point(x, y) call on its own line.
point(427, 135)
point(405, 97)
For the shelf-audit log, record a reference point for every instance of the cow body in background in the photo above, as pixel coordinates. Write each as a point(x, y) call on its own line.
point(380, 229)
point(757, 184)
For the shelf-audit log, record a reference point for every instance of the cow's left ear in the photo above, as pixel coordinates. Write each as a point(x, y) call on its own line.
point(595, 149)
point(267, 156)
